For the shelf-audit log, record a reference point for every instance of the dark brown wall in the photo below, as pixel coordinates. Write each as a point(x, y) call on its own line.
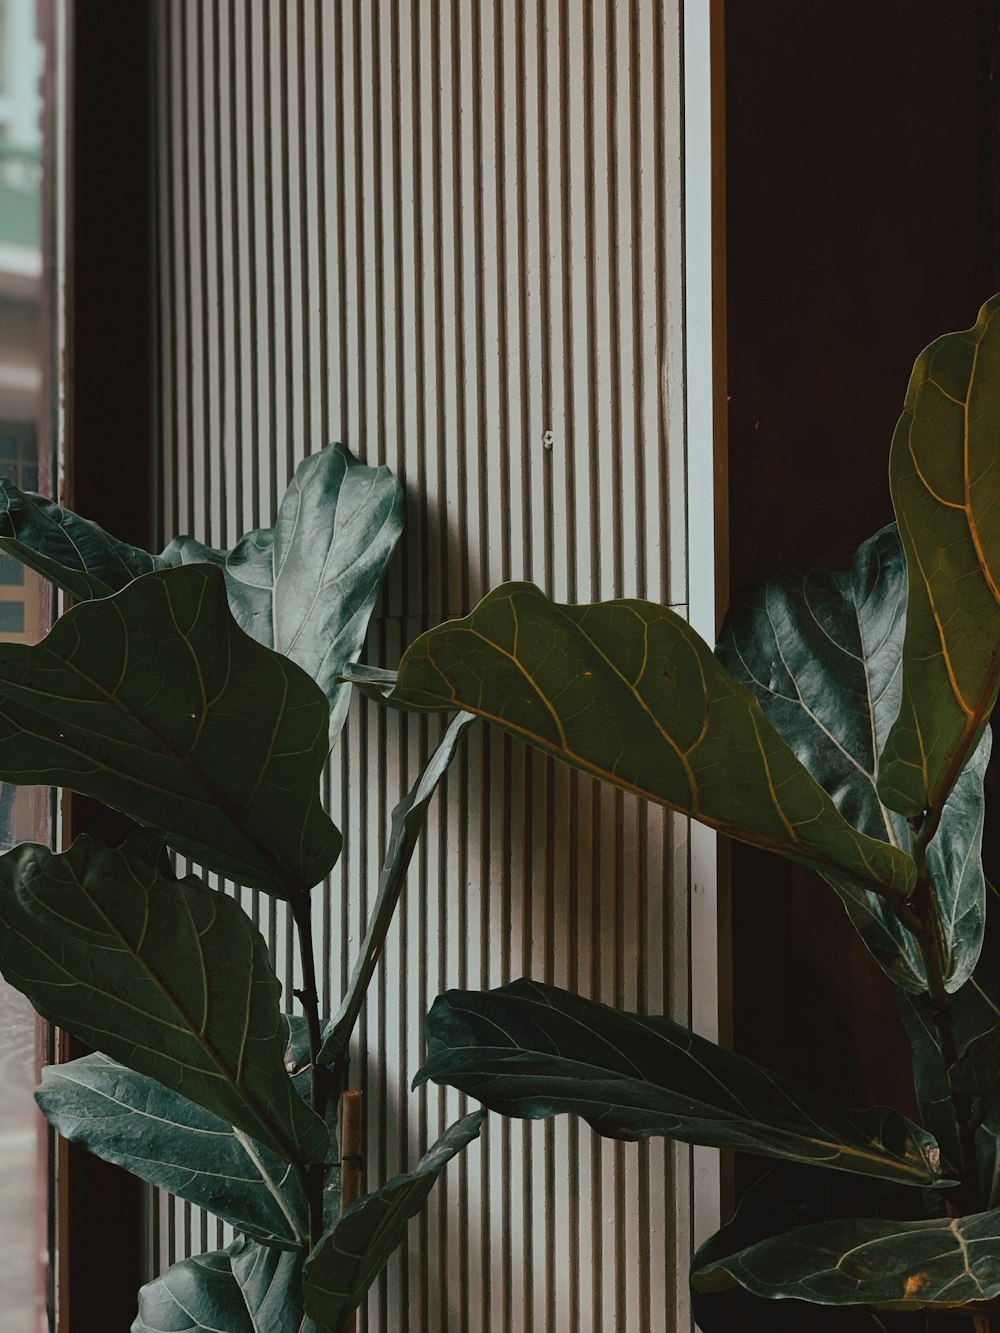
point(860, 190)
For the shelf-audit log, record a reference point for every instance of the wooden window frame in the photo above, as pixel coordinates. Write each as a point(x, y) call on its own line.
point(98, 245)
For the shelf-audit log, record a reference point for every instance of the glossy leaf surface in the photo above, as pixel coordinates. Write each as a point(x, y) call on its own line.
point(349, 1258)
point(786, 1197)
point(155, 702)
point(407, 821)
point(975, 1011)
point(943, 1263)
point(166, 976)
point(73, 553)
point(533, 1051)
point(946, 492)
point(822, 652)
point(163, 1138)
point(307, 586)
point(627, 691)
point(246, 1288)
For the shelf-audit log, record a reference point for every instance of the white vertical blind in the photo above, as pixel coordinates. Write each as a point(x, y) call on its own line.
point(452, 234)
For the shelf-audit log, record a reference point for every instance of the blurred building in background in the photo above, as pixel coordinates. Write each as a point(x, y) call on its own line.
point(20, 285)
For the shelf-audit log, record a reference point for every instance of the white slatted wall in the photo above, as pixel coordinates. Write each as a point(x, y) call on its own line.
point(451, 233)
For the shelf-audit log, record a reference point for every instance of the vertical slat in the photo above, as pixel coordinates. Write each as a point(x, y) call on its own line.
point(451, 233)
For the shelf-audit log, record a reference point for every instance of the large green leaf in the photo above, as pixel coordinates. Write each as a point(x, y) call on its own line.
point(348, 1259)
point(246, 1288)
point(941, 1263)
point(133, 1121)
point(306, 587)
point(946, 491)
point(628, 691)
point(407, 821)
point(533, 1051)
point(155, 702)
point(786, 1197)
point(75, 554)
point(822, 652)
point(166, 976)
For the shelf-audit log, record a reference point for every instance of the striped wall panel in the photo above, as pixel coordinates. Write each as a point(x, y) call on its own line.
point(451, 233)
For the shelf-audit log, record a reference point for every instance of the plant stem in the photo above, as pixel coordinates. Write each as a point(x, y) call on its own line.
point(967, 1198)
point(320, 1077)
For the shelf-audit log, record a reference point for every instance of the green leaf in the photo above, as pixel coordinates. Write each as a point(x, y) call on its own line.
point(627, 691)
point(975, 1012)
point(156, 703)
point(822, 652)
point(944, 1263)
point(407, 821)
point(374, 683)
point(161, 1137)
point(307, 586)
point(944, 483)
point(736, 1310)
point(75, 554)
point(166, 976)
point(930, 1074)
point(786, 1197)
point(346, 1262)
point(977, 1073)
point(533, 1051)
point(243, 1289)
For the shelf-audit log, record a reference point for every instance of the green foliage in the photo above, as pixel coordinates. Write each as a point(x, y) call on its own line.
point(245, 1288)
point(165, 975)
point(155, 702)
point(842, 725)
point(943, 477)
point(76, 555)
point(941, 1263)
point(199, 692)
point(162, 1137)
point(627, 691)
point(535, 1051)
point(821, 652)
point(349, 1257)
point(407, 822)
point(785, 1199)
point(306, 587)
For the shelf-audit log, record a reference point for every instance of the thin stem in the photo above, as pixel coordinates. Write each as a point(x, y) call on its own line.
point(321, 1083)
point(967, 1198)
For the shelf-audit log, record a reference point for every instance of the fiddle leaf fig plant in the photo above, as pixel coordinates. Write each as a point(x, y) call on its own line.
point(199, 692)
point(841, 723)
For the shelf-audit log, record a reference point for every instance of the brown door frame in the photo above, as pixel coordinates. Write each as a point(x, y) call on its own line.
point(108, 451)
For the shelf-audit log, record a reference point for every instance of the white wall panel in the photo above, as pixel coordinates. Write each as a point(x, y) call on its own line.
point(452, 234)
